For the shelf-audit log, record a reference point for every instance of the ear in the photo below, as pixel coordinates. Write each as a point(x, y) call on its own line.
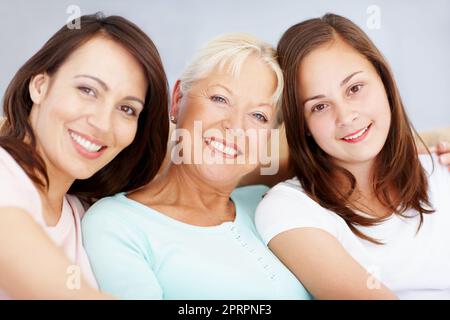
point(38, 87)
point(176, 100)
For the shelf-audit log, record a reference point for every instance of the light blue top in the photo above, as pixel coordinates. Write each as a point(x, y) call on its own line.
point(139, 253)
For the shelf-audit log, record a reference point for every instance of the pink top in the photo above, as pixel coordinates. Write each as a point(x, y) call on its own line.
point(17, 190)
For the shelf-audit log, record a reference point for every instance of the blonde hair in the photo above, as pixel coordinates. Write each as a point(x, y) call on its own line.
point(232, 50)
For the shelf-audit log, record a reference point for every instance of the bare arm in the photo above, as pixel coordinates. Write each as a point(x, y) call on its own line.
point(324, 267)
point(31, 266)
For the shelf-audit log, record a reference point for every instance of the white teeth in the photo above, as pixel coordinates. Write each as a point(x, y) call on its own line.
point(359, 134)
point(221, 147)
point(89, 146)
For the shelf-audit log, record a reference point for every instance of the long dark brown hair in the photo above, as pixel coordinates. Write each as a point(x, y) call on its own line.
point(397, 167)
point(138, 163)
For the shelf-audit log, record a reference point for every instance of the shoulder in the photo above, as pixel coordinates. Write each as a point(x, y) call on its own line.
point(9, 168)
point(108, 214)
point(432, 166)
point(287, 207)
point(16, 188)
point(438, 178)
point(77, 205)
point(109, 222)
point(252, 194)
point(247, 198)
point(438, 174)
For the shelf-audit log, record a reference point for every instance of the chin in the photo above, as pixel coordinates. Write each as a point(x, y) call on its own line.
point(82, 173)
point(359, 158)
point(221, 174)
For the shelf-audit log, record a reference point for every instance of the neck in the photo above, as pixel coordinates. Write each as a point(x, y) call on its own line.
point(363, 173)
point(53, 197)
point(58, 187)
point(180, 187)
point(364, 197)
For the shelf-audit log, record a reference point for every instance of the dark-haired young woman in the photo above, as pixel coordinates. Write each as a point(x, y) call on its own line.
point(365, 217)
point(80, 118)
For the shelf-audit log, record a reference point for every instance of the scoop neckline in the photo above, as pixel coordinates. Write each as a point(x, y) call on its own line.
point(162, 216)
point(65, 208)
point(293, 184)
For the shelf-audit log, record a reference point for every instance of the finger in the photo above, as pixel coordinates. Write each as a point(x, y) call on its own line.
point(445, 159)
point(432, 149)
point(443, 147)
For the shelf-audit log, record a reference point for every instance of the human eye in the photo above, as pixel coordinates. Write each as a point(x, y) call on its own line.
point(218, 99)
point(354, 89)
point(129, 111)
point(87, 91)
point(260, 117)
point(319, 107)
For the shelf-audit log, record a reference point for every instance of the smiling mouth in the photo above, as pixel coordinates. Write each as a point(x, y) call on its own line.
point(357, 136)
point(229, 150)
point(85, 144)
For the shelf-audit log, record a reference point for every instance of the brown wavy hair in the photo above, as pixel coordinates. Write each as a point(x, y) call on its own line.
point(134, 166)
point(397, 166)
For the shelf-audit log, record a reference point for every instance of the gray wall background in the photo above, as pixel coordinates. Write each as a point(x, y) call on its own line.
point(413, 35)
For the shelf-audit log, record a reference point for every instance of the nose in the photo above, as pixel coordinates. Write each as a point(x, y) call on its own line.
point(234, 122)
point(345, 115)
point(100, 118)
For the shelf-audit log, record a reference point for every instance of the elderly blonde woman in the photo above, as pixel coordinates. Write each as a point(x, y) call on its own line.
point(189, 234)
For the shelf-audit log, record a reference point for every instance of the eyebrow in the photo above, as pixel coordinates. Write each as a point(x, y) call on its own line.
point(106, 88)
point(222, 86)
point(347, 79)
point(262, 104)
point(343, 82)
point(134, 99)
point(101, 82)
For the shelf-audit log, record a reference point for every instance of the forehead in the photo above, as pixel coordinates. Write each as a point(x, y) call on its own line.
point(106, 59)
point(331, 62)
point(255, 79)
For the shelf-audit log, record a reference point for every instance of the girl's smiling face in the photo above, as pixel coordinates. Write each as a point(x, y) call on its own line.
point(345, 103)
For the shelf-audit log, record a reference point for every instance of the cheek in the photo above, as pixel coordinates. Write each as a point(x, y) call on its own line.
point(124, 133)
point(322, 128)
point(63, 106)
point(190, 114)
point(380, 108)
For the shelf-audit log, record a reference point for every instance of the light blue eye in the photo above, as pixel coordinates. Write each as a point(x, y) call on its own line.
point(260, 117)
point(218, 99)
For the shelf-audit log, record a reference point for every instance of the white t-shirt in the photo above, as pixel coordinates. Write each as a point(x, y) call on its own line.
point(413, 265)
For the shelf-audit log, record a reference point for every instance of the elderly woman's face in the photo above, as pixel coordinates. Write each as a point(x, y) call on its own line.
point(228, 118)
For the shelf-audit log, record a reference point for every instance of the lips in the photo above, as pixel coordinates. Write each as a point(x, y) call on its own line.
point(229, 150)
point(87, 146)
point(358, 135)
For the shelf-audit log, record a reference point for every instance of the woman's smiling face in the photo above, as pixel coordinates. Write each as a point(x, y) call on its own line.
point(229, 107)
point(87, 112)
point(345, 103)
